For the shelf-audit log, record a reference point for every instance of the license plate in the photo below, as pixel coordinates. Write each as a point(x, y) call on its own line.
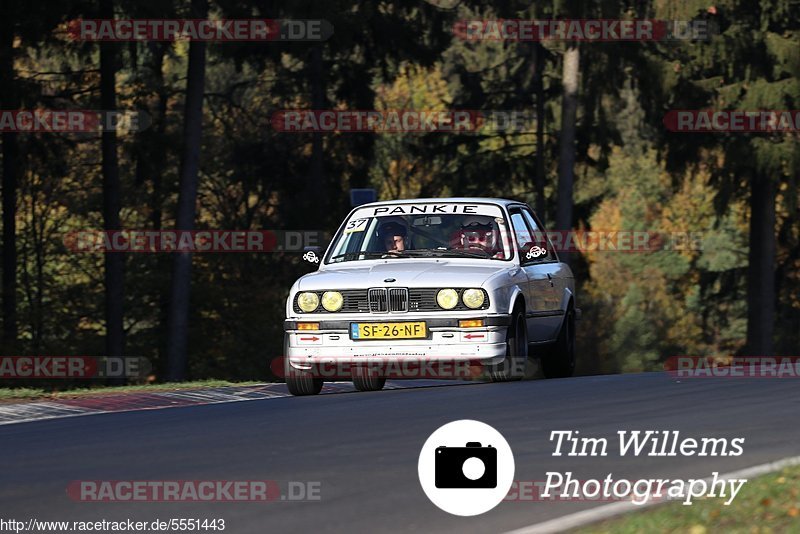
point(367, 331)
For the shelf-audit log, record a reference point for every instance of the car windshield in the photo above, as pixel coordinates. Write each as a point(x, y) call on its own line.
point(423, 230)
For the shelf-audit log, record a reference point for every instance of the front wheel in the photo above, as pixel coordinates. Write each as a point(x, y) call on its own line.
point(299, 382)
point(302, 382)
point(366, 380)
point(559, 361)
point(513, 366)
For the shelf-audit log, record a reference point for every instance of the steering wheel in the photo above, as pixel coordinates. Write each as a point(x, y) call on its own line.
point(476, 246)
point(392, 254)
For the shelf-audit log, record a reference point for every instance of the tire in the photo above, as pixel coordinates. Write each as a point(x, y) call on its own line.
point(559, 361)
point(513, 366)
point(364, 380)
point(299, 382)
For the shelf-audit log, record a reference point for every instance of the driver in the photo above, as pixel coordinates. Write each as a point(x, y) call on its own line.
point(481, 232)
point(393, 235)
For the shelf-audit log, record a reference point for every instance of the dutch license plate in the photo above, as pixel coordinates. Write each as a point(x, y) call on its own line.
point(367, 331)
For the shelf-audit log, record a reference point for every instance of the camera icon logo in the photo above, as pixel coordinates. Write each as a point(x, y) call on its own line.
point(466, 467)
point(472, 466)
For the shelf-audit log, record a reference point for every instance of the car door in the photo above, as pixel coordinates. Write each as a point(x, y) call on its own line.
point(541, 266)
point(562, 276)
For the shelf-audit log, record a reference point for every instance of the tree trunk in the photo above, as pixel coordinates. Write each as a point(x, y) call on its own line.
point(761, 267)
point(157, 148)
point(538, 87)
point(8, 99)
point(114, 262)
point(315, 192)
point(178, 318)
point(566, 161)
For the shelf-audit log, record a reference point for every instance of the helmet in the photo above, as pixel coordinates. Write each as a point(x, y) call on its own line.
point(479, 230)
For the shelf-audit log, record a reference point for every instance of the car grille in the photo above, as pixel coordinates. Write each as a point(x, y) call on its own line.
point(355, 300)
point(378, 301)
point(392, 300)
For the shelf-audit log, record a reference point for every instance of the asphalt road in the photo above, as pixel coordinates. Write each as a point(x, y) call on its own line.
point(363, 448)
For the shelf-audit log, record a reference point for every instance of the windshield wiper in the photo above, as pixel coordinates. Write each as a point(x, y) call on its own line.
point(353, 255)
point(459, 253)
point(417, 253)
point(443, 252)
point(414, 253)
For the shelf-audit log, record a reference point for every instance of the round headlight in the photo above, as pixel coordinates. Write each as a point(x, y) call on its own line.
point(472, 298)
point(447, 298)
point(308, 302)
point(332, 301)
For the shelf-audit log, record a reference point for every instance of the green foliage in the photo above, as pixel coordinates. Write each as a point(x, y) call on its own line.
point(631, 173)
point(653, 305)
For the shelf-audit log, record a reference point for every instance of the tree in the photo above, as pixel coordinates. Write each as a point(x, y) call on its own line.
point(8, 101)
point(540, 53)
point(316, 173)
point(761, 303)
point(755, 67)
point(566, 143)
point(178, 319)
point(114, 262)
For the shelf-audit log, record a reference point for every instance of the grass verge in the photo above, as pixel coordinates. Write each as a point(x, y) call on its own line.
point(770, 503)
point(25, 394)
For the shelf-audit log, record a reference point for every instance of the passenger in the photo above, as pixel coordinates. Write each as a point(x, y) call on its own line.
point(481, 232)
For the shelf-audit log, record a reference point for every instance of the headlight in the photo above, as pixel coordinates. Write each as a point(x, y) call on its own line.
point(472, 298)
point(308, 302)
point(447, 298)
point(332, 301)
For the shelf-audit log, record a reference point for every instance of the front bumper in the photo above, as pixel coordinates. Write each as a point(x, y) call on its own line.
point(446, 342)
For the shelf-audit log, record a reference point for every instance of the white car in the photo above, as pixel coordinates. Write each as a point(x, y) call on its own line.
point(467, 279)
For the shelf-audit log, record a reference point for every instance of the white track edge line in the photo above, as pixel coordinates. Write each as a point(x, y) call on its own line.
point(607, 511)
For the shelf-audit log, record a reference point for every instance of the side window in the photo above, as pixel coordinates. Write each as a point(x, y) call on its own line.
point(355, 237)
point(541, 248)
point(521, 233)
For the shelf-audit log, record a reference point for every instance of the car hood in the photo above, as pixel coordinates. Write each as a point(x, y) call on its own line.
point(407, 273)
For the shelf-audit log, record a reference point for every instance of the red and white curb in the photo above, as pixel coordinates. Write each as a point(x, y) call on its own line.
point(158, 400)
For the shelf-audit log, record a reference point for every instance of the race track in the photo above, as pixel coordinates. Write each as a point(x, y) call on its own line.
point(363, 447)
